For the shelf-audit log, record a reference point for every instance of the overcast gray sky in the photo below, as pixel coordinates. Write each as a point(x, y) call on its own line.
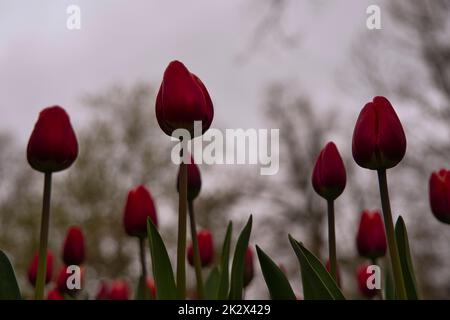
point(120, 42)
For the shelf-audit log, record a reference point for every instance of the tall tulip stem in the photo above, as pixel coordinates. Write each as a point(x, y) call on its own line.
point(197, 262)
point(390, 234)
point(332, 240)
point(142, 258)
point(42, 264)
point(181, 250)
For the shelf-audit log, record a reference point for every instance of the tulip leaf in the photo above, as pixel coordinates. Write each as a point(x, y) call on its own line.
point(212, 284)
point(405, 259)
point(162, 268)
point(276, 281)
point(389, 288)
point(9, 289)
point(224, 265)
point(237, 268)
point(142, 291)
point(317, 281)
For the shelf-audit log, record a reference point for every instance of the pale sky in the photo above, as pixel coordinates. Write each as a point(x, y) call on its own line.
point(43, 63)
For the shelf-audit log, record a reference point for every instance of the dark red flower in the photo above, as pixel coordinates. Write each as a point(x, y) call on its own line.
point(55, 295)
point(379, 141)
point(329, 177)
point(248, 266)
point(73, 250)
point(103, 291)
point(119, 290)
point(151, 286)
point(371, 239)
point(205, 246)
point(53, 145)
point(363, 275)
point(32, 270)
point(182, 99)
point(338, 272)
point(63, 276)
point(440, 195)
point(138, 208)
point(194, 179)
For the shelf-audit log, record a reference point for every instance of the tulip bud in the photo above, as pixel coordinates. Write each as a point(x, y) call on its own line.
point(205, 247)
point(32, 270)
point(151, 287)
point(363, 275)
point(55, 295)
point(338, 272)
point(53, 145)
point(138, 208)
point(248, 266)
point(73, 249)
point(182, 99)
point(103, 291)
point(371, 239)
point(329, 176)
point(194, 180)
point(379, 141)
point(119, 291)
point(440, 195)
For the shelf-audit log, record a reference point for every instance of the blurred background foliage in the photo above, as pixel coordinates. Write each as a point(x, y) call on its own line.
point(122, 146)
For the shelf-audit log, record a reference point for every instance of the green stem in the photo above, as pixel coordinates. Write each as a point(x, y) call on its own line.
point(181, 250)
point(197, 261)
point(332, 240)
point(142, 258)
point(390, 234)
point(45, 219)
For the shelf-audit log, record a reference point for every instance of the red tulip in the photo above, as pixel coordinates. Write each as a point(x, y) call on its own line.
point(363, 275)
point(194, 179)
point(151, 286)
point(338, 272)
point(182, 99)
point(55, 295)
point(248, 266)
point(371, 239)
point(32, 270)
point(53, 145)
point(138, 208)
point(379, 141)
point(73, 250)
point(103, 292)
point(119, 291)
point(63, 276)
point(440, 195)
point(329, 176)
point(205, 246)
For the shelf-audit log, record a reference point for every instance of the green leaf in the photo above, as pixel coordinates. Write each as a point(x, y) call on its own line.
point(405, 259)
point(276, 281)
point(162, 269)
point(212, 284)
point(389, 287)
point(9, 290)
point(142, 291)
point(237, 269)
point(317, 282)
point(224, 265)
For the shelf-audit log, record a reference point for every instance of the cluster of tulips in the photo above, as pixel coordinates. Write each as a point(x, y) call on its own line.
point(379, 143)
